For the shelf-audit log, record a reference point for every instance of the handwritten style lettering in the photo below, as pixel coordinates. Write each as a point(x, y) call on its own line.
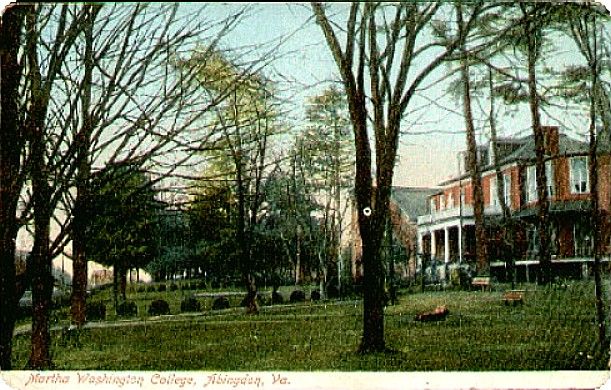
point(47, 379)
point(171, 379)
point(234, 381)
point(110, 379)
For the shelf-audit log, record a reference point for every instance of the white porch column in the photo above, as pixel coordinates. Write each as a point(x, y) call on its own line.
point(419, 248)
point(446, 244)
point(433, 244)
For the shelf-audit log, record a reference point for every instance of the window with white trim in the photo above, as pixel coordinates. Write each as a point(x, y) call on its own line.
point(580, 182)
point(507, 189)
point(442, 202)
point(549, 178)
point(531, 183)
point(432, 205)
point(494, 199)
point(450, 201)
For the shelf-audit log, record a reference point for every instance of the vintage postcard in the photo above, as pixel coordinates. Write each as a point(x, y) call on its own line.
point(366, 195)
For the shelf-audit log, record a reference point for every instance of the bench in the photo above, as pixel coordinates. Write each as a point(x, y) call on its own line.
point(481, 281)
point(514, 297)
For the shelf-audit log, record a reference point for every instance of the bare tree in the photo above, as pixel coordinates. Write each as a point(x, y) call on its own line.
point(12, 149)
point(584, 28)
point(382, 42)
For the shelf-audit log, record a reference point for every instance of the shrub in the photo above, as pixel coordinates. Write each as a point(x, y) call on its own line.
point(315, 295)
point(150, 288)
point(190, 304)
point(259, 300)
point(141, 289)
point(220, 302)
point(201, 285)
point(297, 296)
point(277, 298)
point(95, 311)
point(161, 288)
point(127, 308)
point(159, 307)
point(193, 286)
point(173, 287)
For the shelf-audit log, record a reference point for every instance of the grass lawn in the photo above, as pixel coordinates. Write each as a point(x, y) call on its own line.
point(553, 330)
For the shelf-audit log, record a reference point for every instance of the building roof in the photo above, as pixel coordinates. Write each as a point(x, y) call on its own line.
point(566, 146)
point(523, 149)
point(412, 200)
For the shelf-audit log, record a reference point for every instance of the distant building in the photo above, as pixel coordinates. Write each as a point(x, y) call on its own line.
point(446, 231)
point(406, 204)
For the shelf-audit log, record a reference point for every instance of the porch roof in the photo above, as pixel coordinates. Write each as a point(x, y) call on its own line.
point(557, 208)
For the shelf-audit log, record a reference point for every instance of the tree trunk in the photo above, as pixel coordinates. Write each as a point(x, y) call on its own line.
point(482, 263)
point(81, 211)
point(11, 146)
point(594, 193)
point(115, 284)
point(123, 282)
point(508, 233)
point(371, 237)
point(533, 35)
point(42, 289)
point(42, 277)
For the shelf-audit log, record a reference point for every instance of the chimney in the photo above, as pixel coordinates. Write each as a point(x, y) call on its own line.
point(550, 136)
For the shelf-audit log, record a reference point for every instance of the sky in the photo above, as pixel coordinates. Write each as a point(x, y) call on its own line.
point(433, 133)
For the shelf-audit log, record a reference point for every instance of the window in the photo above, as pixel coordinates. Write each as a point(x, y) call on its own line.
point(549, 178)
point(442, 202)
point(494, 199)
point(531, 183)
point(582, 238)
point(507, 189)
point(580, 182)
point(432, 205)
point(450, 201)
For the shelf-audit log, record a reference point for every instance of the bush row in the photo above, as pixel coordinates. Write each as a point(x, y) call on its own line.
point(171, 287)
point(96, 311)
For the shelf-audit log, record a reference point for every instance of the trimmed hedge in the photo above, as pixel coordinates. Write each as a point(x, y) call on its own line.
point(297, 296)
point(127, 308)
point(315, 295)
point(95, 311)
point(190, 304)
point(277, 298)
point(220, 302)
point(159, 307)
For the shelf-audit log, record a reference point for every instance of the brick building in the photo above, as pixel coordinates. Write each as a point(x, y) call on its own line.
point(447, 231)
point(406, 203)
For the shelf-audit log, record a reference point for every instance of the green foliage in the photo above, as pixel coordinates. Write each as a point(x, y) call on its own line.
point(190, 304)
point(95, 311)
point(126, 309)
point(122, 228)
point(176, 247)
point(553, 330)
point(297, 296)
point(159, 307)
point(220, 303)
